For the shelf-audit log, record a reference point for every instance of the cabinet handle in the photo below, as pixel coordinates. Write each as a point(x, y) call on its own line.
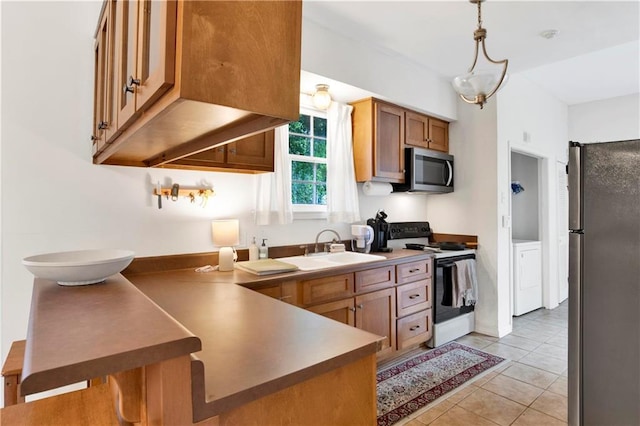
point(411, 271)
point(103, 125)
point(232, 151)
point(414, 328)
point(352, 309)
point(361, 306)
point(414, 296)
point(284, 297)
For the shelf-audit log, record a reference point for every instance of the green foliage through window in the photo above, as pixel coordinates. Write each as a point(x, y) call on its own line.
point(308, 150)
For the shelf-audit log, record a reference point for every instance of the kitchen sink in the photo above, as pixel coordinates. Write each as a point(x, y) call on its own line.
point(330, 260)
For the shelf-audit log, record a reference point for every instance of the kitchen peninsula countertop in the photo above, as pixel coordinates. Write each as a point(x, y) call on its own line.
point(244, 345)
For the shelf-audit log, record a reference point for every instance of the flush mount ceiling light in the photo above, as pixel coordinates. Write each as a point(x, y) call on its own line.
point(321, 97)
point(478, 85)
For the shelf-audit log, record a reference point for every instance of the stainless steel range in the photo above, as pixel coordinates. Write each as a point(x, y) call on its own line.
point(449, 322)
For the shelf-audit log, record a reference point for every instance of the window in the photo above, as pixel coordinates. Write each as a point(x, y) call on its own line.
point(308, 156)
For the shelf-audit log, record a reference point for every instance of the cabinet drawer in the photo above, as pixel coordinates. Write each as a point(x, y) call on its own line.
point(414, 329)
point(328, 288)
point(375, 279)
point(413, 271)
point(413, 297)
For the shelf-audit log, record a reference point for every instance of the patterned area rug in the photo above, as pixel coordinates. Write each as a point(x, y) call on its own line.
point(410, 385)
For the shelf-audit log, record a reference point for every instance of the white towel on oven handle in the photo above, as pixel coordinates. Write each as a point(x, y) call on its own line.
point(465, 283)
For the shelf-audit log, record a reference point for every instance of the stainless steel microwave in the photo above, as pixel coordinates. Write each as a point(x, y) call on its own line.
point(426, 171)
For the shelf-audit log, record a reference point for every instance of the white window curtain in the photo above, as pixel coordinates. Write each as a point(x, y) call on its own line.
point(342, 191)
point(273, 204)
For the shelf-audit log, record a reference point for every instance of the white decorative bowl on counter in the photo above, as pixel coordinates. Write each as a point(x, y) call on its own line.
point(80, 267)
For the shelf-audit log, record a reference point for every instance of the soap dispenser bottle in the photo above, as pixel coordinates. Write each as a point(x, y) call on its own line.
point(264, 250)
point(253, 250)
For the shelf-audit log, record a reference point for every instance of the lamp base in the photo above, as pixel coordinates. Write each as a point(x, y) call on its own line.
point(225, 259)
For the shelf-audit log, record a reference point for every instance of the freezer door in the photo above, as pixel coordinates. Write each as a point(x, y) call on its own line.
point(575, 187)
point(575, 320)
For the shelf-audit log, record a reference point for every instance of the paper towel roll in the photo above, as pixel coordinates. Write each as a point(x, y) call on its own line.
point(376, 188)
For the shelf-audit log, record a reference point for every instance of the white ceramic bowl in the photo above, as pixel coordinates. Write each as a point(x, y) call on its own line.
point(78, 267)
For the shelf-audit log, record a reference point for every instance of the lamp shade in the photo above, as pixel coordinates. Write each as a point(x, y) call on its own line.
point(225, 232)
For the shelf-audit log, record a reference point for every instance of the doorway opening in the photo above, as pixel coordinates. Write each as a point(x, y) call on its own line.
point(526, 224)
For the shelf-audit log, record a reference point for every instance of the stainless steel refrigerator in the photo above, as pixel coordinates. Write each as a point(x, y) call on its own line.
point(604, 283)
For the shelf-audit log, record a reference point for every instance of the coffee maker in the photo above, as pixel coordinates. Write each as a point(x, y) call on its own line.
point(380, 232)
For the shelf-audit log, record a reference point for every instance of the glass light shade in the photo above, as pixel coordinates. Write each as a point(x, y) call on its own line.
point(476, 83)
point(322, 98)
point(226, 233)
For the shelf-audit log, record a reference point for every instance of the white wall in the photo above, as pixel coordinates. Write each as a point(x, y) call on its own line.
point(525, 109)
point(614, 119)
point(473, 206)
point(53, 198)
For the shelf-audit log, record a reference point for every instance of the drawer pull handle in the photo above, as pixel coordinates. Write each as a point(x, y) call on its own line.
point(411, 271)
point(414, 328)
point(361, 306)
point(352, 309)
point(414, 296)
point(284, 297)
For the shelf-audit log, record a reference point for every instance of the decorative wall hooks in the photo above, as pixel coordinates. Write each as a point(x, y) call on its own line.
point(173, 193)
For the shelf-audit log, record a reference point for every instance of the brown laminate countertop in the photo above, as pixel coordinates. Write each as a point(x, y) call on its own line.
point(83, 332)
point(244, 345)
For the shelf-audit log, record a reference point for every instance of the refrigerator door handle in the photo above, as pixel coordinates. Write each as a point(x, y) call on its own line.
point(575, 187)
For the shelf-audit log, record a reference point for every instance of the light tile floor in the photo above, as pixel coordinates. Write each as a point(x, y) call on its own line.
point(529, 388)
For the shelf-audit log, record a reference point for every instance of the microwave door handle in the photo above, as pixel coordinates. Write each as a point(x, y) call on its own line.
point(450, 173)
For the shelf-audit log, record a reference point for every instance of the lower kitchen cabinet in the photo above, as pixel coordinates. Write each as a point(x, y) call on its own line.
point(375, 314)
point(392, 301)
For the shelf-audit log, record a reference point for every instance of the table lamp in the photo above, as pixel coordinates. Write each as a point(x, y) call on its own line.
point(225, 235)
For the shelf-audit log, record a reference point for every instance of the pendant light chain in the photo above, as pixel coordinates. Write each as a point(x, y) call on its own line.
point(479, 15)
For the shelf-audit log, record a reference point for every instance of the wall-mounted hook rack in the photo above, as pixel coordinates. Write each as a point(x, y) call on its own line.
point(176, 191)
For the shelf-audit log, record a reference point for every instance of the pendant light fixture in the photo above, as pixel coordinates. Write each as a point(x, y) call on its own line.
point(480, 84)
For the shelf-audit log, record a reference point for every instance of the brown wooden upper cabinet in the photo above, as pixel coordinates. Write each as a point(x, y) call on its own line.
point(380, 132)
point(176, 78)
point(426, 132)
point(378, 141)
point(249, 155)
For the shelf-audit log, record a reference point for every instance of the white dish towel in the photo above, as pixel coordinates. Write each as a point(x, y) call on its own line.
point(465, 283)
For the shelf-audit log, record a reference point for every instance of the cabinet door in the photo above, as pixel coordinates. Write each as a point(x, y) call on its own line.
point(146, 37)
point(438, 135)
point(375, 313)
point(416, 129)
point(156, 50)
point(104, 118)
point(388, 155)
point(255, 151)
point(341, 310)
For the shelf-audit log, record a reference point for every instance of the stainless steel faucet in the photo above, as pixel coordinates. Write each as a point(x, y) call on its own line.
point(334, 240)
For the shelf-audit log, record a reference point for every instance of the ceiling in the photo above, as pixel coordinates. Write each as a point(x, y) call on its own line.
point(596, 54)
